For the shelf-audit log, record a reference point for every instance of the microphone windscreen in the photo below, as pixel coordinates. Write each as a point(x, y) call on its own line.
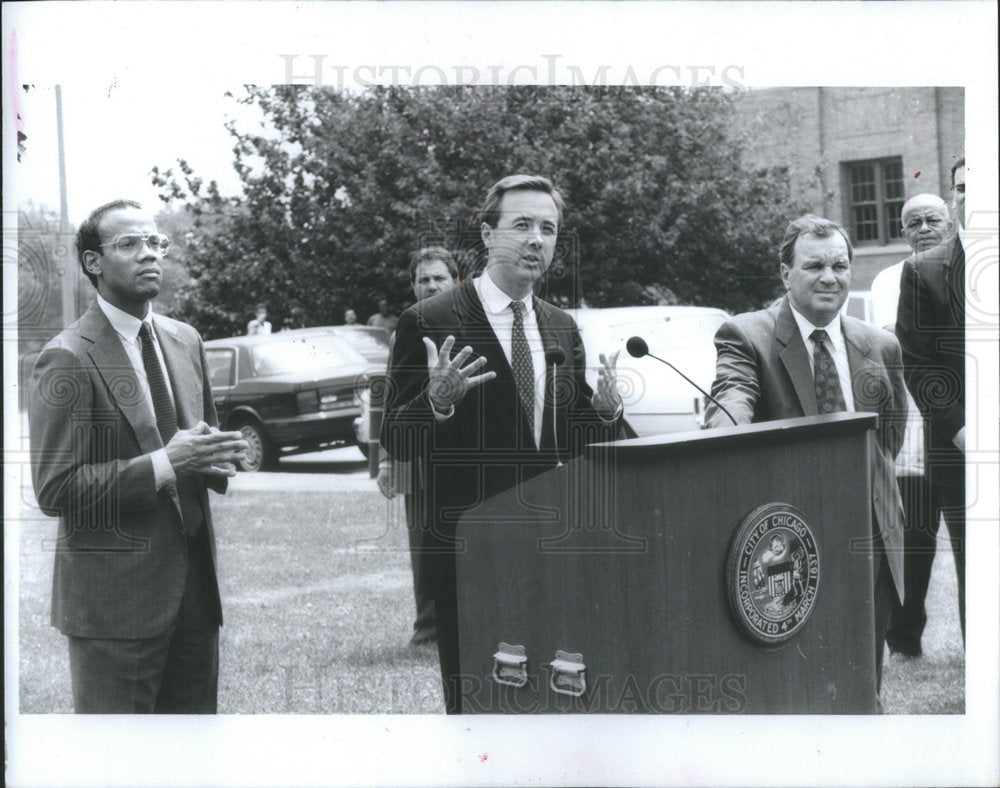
point(554, 355)
point(637, 347)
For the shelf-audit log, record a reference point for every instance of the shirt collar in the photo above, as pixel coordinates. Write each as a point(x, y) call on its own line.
point(125, 324)
point(496, 300)
point(806, 328)
point(961, 235)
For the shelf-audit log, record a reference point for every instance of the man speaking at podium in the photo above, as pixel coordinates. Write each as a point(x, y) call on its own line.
point(484, 419)
point(802, 357)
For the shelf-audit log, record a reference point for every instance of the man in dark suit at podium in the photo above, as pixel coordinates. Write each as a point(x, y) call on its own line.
point(484, 420)
point(802, 357)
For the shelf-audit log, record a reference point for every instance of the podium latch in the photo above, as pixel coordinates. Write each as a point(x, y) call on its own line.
point(568, 674)
point(510, 665)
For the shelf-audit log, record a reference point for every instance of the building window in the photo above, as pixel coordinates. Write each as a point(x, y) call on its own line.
point(875, 194)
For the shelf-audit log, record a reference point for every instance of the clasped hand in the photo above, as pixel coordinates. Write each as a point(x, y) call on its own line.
point(205, 449)
point(448, 379)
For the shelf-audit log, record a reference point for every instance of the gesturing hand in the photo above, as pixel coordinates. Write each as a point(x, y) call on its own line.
point(606, 399)
point(204, 449)
point(449, 381)
point(386, 481)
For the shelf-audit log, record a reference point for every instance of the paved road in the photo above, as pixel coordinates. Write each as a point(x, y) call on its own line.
point(342, 470)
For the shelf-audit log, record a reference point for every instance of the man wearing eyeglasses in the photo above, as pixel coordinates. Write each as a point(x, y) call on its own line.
point(124, 445)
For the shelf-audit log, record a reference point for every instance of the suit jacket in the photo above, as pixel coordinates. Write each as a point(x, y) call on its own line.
point(930, 324)
point(121, 558)
point(485, 447)
point(763, 374)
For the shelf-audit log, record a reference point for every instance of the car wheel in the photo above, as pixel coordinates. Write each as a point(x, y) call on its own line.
point(363, 445)
point(261, 454)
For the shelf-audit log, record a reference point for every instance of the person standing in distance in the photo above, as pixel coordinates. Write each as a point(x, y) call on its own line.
point(930, 323)
point(432, 271)
point(480, 421)
point(260, 324)
point(802, 357)
point(383, 318)
point(124, 446)
point(926, 224)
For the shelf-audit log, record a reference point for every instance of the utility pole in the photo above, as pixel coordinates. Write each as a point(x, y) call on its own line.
point(69, 276)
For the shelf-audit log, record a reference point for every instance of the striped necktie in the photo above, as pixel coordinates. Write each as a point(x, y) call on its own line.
point(522, 366)
point(829, 395)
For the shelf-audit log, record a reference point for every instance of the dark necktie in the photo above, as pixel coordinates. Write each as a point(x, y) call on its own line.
point(829, 395)
point(166, 423)
point(521, 364)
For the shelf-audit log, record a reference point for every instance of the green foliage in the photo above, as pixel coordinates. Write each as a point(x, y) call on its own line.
point(340, 188)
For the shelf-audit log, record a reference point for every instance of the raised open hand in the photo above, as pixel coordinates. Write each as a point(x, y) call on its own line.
point(606, 400)
point(449, 380)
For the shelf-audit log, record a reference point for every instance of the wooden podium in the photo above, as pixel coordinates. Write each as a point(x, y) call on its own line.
point(721, 571)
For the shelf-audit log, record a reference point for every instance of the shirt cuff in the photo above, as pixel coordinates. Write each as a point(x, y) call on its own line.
point(618, 414)
point(163, 471)
point(439, 417)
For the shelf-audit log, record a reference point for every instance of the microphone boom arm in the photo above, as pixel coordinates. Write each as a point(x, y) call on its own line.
point(707, 395)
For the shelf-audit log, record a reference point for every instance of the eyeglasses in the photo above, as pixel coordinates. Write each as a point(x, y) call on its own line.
point(131, 244)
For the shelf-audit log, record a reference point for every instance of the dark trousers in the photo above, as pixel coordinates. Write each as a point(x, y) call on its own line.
point(176, 672)
point(885, 593)
point(446, 611)
point(424, 622)
point(952, 502)
point(923, 505)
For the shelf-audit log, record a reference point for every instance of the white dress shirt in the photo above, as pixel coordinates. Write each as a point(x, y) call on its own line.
point(496, 305)
point(838, 348)
point(127, 327)
point(885, 299)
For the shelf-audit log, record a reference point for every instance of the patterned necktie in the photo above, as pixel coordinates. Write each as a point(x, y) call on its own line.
point(521, 364)
point(166, 423)
point(829, 395)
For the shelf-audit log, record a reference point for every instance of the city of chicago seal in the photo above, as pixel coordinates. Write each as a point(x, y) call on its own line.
point(772, 573)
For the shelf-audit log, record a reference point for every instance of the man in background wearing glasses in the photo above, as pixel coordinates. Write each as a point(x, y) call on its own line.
point(124, 445)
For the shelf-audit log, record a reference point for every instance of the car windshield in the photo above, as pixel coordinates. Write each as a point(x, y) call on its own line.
point(303, 355)
point(673, 332)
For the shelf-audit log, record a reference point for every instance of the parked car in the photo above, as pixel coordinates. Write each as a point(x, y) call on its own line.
point(289, 392)
point(657, 400)
point(859, 304)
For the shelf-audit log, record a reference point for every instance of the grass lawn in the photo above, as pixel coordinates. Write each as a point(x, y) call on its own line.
point(318, 604)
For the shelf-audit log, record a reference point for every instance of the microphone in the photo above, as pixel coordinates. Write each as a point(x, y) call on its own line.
point(553, 357)
point(637, 348)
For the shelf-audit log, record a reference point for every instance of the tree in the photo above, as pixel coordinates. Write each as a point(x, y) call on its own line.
point(339, 189)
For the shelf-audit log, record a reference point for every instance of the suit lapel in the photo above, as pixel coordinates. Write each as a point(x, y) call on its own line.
point(119, 376)
point(796, 359)
point(955, 276)
point(867, 392)
point(550, 339)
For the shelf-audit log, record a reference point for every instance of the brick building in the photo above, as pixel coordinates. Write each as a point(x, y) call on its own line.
point(857, 154)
